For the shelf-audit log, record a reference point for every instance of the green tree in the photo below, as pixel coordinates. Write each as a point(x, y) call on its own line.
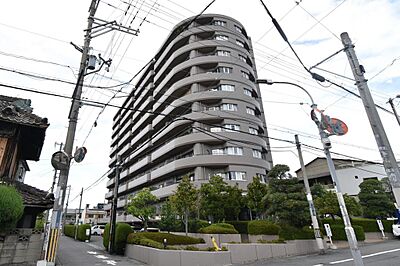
point(327, 204)
point(287, 202)
point(374, 200)
point(280, 171)
point(11, 207)
point(233, 202)
point(213, 195)
point(256, 191)
point(142, 206)
point(168, 216)
point(184, 200)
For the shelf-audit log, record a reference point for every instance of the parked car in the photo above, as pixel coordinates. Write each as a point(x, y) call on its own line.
point(151, 229)
point(396, 230)
point(98, 230)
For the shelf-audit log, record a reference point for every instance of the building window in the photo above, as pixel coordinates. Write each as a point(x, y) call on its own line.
point(222, 53)
point(217, 151)
point(219, 23)
point(253, 131)
point(240, 43)
point(238, 176)
point(247, 92)
point(263, 177)
point(238, 29)
point(226, 70)
point(250, 111)
point(245, 74)
point(215, 129)
point(221, 37)
point(229, 107)
point(242, 58)
point(231, 127)
point(257, 154)
point(224, 87)
point(234, 150)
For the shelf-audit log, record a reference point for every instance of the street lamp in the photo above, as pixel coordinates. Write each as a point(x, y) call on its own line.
point(351, 238)
point(394, 109)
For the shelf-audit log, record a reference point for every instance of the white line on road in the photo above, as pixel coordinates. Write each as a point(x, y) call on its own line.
point(111, 262)
point(101, 257)
point(92, 252)
point(367, 256)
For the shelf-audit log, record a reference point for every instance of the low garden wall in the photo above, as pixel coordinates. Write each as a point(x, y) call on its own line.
point(21, 246)
point(220, 238)
point(237, 253)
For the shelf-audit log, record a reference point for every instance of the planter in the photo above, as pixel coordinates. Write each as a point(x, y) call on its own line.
point(256, 238)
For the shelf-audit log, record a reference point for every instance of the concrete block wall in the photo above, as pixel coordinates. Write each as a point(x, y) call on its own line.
point(220, 238)
point(21, 246)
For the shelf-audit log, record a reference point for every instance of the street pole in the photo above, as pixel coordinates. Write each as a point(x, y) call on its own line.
point(66, 206)
point(113, 219)
point(394, 109)
point(314, 220)
point(351, 236)
point(389, 161)
point(79, 216)
point(69, 143)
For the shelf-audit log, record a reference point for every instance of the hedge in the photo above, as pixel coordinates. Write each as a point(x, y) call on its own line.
point(139, 239)
point(11, 207)
point(69, 230)
point(240, 226)
point(369, 225)
point(171, 238)
point(122, 230)
point(289, 232)
point(262, 227)
point(82, 232)
point(219, 228)
point(338, 232)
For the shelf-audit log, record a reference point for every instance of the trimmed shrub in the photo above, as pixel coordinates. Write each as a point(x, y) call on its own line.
point(69, 230)
point(289, 232)
point(305, 233)
point(106, 236)
point(338, 232)
point(240, 226)
point(138, 239)
point(11, 207)
point(369, 225)
point(262, 227)
point(219, 228)
point(171, 238)
point(196, 225)
point(122, 231)
point(82, 232)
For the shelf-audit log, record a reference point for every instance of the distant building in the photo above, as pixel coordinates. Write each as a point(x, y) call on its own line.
point(350, 173)
point(71, 215)
point(196, 111)
point(92, 215)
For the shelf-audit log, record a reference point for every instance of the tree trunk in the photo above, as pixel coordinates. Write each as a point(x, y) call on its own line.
point(186, 222)
point(251, 215)
point(145, 225)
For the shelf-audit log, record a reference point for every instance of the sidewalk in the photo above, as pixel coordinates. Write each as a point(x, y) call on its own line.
point(75, 253)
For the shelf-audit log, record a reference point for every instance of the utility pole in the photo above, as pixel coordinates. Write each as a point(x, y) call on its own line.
point(113, 219)
point(79, 216)
point(394, 109)
point(66, 206)
point(389, 161)
point(317, 232)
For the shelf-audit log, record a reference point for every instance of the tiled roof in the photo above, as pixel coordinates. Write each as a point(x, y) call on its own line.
point(19, 111)
point(34, 197)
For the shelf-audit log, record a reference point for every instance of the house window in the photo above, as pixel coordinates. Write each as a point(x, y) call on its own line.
point(250, 111)
point(219, 23)
point(223, 53)
point(231, 127)
point(263, 177)
point(245, 75)
point(238, 29)
point(239, 176)
point(226, 70)
point(229, 107)
point(242, 58)
point(247, 92)
point(240, 43)
point(253, 131)
point(217, 151)
point(257, 154)
point(221, 37)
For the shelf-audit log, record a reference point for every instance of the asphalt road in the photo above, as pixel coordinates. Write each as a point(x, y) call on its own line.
point(76, 253)
point(377, 254)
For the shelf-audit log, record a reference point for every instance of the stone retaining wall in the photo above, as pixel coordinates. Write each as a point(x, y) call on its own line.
point(21, 246)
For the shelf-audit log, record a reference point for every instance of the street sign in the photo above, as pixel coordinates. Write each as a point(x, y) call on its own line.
point(80, 154)
point(334, 125)
point(60, 160)
point(328, 230)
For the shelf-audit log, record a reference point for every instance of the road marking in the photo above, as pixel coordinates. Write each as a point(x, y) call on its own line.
point(111, 262)
point(101, 257)
point(318, 265)
point(367, 256)
point(92, 252)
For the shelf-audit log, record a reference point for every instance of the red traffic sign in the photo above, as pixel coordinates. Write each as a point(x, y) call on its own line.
point(333, 125)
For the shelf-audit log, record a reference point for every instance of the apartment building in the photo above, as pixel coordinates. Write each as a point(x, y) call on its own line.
point(196, 111)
